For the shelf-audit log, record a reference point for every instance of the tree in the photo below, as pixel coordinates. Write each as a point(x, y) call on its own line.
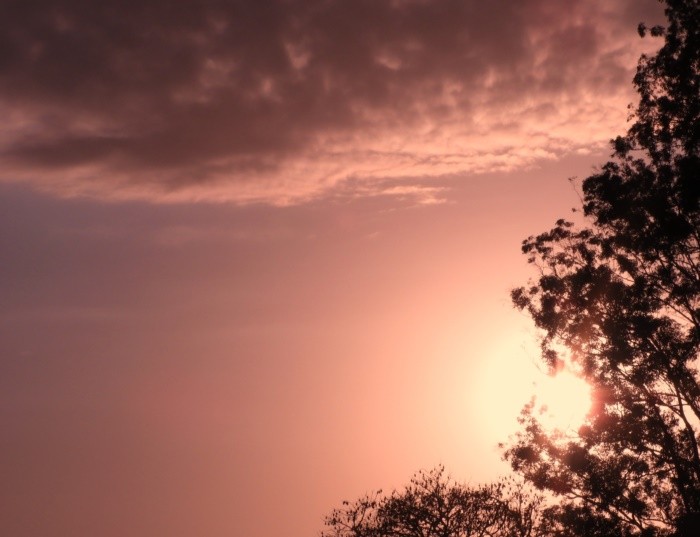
point(433, 505)
point(622, 297)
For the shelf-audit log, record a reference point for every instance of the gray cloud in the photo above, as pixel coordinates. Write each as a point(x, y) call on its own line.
point(280, 101)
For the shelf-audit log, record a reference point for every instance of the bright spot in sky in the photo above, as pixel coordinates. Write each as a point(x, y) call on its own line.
point(562, 401)
point(509, 376)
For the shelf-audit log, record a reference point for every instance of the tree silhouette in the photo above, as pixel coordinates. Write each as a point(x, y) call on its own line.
point(623, 297)
point(433, 505)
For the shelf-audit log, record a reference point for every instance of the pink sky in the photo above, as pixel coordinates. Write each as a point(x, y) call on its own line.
point(256, 256)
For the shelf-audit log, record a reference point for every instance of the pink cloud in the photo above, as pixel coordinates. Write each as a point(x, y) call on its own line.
point(282, 102)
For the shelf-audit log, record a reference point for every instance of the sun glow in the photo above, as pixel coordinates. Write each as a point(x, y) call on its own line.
point(511, 377)
point(562, 401)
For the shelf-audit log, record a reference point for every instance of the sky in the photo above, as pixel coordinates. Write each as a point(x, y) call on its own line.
point(255, 257)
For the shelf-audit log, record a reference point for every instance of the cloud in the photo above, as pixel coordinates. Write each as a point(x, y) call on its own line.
point(286, 100)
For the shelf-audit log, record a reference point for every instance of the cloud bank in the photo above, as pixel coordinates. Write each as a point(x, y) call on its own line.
point(283, 101)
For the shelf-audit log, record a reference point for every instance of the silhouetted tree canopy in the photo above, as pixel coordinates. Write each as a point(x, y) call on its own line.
point(433, 505)
point(623, 297)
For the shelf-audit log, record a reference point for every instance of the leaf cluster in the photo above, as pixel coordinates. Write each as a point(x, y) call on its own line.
point(433, 505)
point(623, 297)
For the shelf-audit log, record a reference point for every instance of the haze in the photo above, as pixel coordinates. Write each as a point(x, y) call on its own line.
point(255, 257)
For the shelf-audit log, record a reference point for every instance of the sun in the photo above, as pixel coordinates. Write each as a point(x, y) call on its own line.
point(508, 380)
point(562, 401)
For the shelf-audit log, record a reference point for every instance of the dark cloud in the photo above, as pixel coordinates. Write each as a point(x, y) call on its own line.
point(281, 100)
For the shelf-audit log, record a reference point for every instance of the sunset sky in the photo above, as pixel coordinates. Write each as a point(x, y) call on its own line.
point(255, 256)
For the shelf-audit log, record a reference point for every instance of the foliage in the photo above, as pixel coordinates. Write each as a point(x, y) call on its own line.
point(432, 505)
point(623, 296)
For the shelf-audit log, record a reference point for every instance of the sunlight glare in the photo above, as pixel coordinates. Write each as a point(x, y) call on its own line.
point(562, 401)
